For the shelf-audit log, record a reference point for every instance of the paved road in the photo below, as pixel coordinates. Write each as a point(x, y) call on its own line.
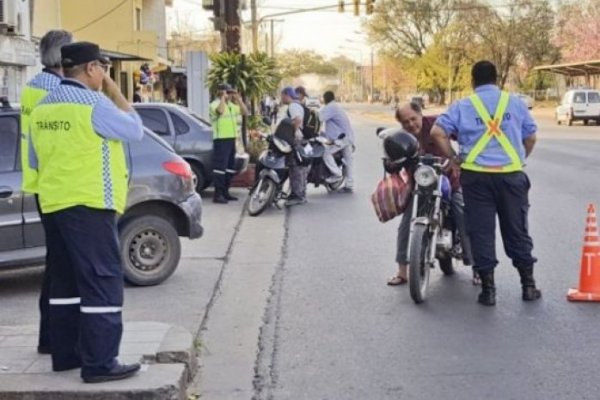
point(341, 333)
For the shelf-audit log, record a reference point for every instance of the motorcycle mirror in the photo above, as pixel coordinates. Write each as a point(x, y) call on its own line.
point(378, 131)
point(266, 121)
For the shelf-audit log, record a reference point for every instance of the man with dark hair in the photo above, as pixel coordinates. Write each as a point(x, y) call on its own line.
point(298, 173)
point(33, 92)
point(412, 120)
point(496, 134)
point(337, 123)
point(77, 148)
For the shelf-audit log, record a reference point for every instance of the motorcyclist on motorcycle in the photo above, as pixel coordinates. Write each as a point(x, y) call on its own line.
point(409, 145)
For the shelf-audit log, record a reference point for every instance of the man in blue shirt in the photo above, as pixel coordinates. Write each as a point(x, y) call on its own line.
point(337, 123)
point(496, 134)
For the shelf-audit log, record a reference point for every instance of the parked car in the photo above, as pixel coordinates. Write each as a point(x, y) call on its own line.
point(162, 205)
point(528, 100)
point(313, 102)
point(190, 136)
point(579, 105)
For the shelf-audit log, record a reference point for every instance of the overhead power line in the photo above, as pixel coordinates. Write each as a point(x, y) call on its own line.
point(106, 14)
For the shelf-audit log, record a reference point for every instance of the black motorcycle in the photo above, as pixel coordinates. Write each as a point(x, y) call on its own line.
point(272, 172)
point(319, 173)
point(433, 235)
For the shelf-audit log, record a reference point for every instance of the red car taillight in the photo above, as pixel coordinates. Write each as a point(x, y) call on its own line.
point(179, 168)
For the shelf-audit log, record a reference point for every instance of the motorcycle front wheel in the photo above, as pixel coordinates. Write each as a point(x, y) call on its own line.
point(261, 196)
point(419, 267)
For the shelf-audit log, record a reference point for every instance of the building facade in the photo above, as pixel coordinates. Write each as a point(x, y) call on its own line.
point(132, 33)
point(17, 52)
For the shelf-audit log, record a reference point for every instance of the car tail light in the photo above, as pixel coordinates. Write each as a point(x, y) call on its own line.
point(179, 168)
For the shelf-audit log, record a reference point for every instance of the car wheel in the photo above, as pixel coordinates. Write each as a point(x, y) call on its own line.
point(150, 250)
point(200, 177)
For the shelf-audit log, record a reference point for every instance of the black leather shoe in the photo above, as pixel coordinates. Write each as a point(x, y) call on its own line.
point(530, 292)
point(487, 297)
point(121, 371)
point(229, 197)
point(220, 199)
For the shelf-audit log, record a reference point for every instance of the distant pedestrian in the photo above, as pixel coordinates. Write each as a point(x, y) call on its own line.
point(137, 96)
point(496, 134)
point(77, 136)
point(225, 113)
point(34, 92)
point(298, 173)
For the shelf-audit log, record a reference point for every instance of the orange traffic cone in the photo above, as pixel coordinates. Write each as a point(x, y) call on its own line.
point(589, 278)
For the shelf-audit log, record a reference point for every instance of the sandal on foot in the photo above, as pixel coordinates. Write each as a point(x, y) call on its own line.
point(397, 280)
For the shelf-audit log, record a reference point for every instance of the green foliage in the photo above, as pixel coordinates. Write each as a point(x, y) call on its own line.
point(253, 75)
point(294, 63)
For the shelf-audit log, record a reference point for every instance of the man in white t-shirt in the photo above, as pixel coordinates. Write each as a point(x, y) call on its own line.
point(298, 173)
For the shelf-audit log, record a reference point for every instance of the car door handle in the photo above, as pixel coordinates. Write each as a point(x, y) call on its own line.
point(5, 192)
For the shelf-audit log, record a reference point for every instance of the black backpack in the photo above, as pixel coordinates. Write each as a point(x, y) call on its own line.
point(311, 123)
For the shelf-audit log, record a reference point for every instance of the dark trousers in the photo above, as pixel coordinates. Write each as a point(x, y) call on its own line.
point(223, 164)
point(44, 306)
point(505, 195)
point(86, 291)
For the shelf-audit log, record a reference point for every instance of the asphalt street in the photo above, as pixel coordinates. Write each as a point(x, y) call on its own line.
point(341, 333)
point(293, 304)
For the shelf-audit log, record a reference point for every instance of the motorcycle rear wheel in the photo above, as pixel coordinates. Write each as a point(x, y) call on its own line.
point(419, 268)
point(261, 196)
point(446, 265)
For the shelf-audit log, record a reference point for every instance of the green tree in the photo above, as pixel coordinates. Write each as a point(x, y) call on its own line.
point(294, 63)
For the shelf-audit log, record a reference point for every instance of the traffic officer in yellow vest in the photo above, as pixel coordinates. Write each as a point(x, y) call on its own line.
point(225, 114)
point(496, 134)
point(77, 136)
point(33, 92)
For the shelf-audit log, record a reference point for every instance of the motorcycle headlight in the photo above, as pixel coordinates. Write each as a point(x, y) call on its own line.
point(425, 176)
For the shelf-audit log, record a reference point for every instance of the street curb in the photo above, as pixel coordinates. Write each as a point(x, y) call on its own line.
point(168, 366)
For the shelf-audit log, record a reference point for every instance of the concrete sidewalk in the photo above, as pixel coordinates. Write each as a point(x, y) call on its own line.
point(167, 354)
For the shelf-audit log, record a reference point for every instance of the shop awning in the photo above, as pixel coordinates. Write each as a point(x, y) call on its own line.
point(584, 68)
point(118, 56)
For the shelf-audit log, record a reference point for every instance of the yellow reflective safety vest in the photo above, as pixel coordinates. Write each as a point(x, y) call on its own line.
point(493, 131)
point(76, 166)
point(32, 94)
point(225, 126)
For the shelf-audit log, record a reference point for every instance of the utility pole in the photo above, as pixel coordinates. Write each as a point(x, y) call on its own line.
point(372, 73)
point(254, 26)
point(228, 17)
point(272, 38)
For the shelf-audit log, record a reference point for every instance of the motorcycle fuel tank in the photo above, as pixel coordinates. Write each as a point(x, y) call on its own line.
point(270, 159)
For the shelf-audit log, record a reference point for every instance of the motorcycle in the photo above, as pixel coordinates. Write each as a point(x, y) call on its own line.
point(272, 172)
point(433, 235)
point(319, 173)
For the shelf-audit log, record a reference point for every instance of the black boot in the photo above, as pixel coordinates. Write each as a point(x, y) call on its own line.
point(530, 292)
point(487, 297)
point(220, 199)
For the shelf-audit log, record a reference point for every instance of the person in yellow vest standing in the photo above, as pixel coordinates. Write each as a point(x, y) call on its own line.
point(33, 92)
point(77, 148)
point(225, 114)
point(496, 134)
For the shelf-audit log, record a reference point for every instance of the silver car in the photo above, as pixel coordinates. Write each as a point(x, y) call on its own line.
point(190, 135)
point(162, 205)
